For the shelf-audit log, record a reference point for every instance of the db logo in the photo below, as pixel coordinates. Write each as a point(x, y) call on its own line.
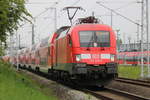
point(95, 56)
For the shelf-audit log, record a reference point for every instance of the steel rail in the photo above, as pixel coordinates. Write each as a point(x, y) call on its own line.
point(127, 94)
point(134, 82)
point(114, 92)
point(99, 96)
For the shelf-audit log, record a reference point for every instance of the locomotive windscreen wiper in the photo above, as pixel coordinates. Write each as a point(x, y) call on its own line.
point(94, 40)
point(91, 41)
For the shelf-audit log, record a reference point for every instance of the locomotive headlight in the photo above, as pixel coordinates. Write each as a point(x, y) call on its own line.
point(78, 57)
point(112, 58)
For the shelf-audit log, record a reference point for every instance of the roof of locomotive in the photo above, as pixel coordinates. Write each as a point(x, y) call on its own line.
point(82, 27)
point(91, 26)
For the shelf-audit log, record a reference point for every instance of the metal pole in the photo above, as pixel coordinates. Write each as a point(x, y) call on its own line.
point(134, 45)
point(124, 38)
point(32, 33)
point(142, 69)
point(138, 34)
point(11, 46)
point(17, 61)
point(111, 18)
point(93, 14)
point(17, 49)
point(147, 29)
point(19, 42)
point(118, 42)
point(55, 15)
point(129, 39)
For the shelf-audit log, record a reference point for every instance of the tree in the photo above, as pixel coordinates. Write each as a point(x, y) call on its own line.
point(11, 13)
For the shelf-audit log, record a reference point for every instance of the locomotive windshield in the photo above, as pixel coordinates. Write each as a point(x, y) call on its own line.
point(94, 38)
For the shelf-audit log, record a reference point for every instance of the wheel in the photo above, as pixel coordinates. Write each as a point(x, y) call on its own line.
point(37, 69)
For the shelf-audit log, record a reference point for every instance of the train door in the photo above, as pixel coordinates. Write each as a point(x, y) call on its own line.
point(63, 50)
point(54, 53)
point(69, 49)
point(49, 56)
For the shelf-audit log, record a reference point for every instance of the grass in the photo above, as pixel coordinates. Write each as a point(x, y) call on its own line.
point(133, 72)
point(14, 86)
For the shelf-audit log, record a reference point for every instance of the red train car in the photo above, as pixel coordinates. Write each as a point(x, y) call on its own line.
point(84, 52)
point(121, 58)
point(132, 58)
point(6, 58)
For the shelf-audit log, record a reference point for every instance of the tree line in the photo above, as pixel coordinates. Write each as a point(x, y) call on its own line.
point(12, 12)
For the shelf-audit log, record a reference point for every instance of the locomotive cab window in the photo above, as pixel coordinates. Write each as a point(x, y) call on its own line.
point(63, 34)
point(90, 38)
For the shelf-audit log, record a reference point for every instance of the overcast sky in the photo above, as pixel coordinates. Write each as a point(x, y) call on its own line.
point(44, 24)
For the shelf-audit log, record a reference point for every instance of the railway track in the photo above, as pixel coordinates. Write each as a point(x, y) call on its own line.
point(104, 94)
point(134, 82)
point(114, 94)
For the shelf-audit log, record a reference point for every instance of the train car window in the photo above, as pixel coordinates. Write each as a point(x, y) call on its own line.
point(88, 38)
point(63, 34)
point(59, 31)
point(120, 57)
point(69, 40)
point(126, 58)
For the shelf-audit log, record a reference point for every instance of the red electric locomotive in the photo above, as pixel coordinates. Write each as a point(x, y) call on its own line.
point(85, 53)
